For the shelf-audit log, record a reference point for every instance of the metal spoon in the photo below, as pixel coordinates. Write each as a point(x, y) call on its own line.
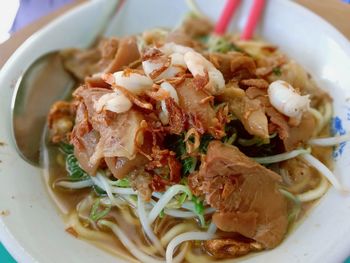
point(43, 83)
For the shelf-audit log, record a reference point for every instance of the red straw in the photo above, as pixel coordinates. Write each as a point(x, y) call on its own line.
point(253, 19)
point(225, 17)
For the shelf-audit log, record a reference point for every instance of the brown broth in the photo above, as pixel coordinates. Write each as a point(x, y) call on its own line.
point(67, 201)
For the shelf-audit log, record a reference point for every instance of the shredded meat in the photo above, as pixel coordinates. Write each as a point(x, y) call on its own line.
point(249, 111)
point(242, 66)
point(233, 65)
point(269, 64)
point(228, 247)
point(291, 135)
point(60, 121)
point(244, 193)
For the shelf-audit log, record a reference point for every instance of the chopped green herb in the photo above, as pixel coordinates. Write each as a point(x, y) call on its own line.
point(75, 172)
point(230, 140)
point(277, 71)
point(188, 165)
point(122, 182)
point(177, 144)
point(99, 191)
point(182, 198)
point(161, 214)
point(96, 213)
point(222, 45)
point(66, 148)
point(293, 215)
point(205, 140)
point(253, 141)
point(199, 209)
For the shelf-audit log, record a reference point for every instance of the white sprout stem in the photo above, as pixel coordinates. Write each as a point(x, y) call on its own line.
point(146, 226)
point(188, 236)
point(324, 171)
point(100, 182)
point(75, 185)
point(174, 231)
point(281, 157)
point(179, 214)
point(212, 228)
point(186, 214)
point(315, 193)
point(164, 200)
point(129, 244)
point(330, 141)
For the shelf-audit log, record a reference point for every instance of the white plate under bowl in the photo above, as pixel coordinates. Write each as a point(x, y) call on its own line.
point(33, 230)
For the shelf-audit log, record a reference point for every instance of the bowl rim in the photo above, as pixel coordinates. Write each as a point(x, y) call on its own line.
point(9, 241)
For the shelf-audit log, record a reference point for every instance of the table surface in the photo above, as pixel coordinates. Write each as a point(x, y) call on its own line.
point(336, 12)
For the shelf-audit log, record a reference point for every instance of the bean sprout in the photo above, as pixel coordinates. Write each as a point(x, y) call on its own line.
point(281, 157)
point(324, 171)
point(330, 141)
point(315, 193)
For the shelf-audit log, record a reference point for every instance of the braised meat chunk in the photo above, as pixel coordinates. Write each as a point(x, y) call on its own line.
point(245, 194)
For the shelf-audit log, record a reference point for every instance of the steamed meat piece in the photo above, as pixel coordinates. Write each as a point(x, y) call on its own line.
point(196, 103)
point(299, 135)
point(90, 96)
point(233, 65)
point(291, 135)
point(84, 139)
point(250, 112)
point(245, 194)
point(117, 131)
point(122, 166)
point(118, 135)
point(298, 77)
point(229, 247)
point(109, 55)
point(81, 63)
point(127, 53)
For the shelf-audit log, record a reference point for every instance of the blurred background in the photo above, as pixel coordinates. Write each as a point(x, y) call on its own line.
point(16, 14)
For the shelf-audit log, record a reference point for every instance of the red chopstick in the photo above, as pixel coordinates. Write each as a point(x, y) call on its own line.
point(253, 19)
point(225, 17)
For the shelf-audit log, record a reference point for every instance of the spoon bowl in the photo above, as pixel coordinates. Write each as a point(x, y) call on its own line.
point(45, 82)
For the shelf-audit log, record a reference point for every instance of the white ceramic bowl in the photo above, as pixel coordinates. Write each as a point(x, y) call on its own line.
point(33, 230)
